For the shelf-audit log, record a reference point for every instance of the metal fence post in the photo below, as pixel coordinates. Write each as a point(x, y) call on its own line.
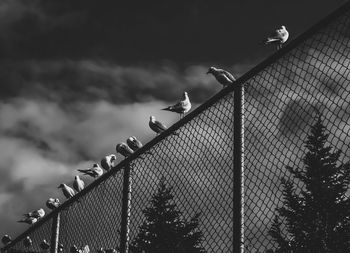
point(238, 170)
point(55, 233)
point(126, 205)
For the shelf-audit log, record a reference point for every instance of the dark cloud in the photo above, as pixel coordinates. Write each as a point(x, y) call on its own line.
point(71, 81)
point(183, 31)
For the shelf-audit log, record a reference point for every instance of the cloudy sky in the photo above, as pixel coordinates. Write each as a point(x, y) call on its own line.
point(76, 77)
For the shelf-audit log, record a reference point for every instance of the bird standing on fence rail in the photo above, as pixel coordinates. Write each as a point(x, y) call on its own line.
point(123, 149)
point(279, 36)
point(156, 126)
point(44, 245)
point(181, 107)
point(68, 192)
point(35, 214)
point(52, 203)
point(27, 242)
point(78, 184)
point(222, 76)
point(134, 143)
point(95, 171)
point(6, 239)
point(28, 220)
point(107, 162)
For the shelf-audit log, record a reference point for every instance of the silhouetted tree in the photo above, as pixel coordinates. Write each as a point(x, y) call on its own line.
point(317, 217)
point(164, 230)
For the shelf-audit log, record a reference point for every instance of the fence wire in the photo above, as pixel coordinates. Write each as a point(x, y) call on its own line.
point(282, 95)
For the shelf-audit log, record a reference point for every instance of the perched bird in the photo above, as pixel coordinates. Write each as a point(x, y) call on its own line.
point(279, 36)
point(94, 172)
point(52, 203)
point(180, 107)
point(6, 239)
point(27, 242)
point(74, 249)
point(35, 214)
point(44, 245)
point(134, 143)
point(28, 220)
point(222, 76)
point(107, 162)
point(78, 184)
point(156, 126)
point(68, 192)
point(123, 149)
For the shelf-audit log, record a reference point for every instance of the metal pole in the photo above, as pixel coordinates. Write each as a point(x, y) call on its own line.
point(55, 233)
point(238, 170)
point(126, 208)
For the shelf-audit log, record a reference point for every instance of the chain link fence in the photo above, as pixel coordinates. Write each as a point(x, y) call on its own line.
point(282, 95)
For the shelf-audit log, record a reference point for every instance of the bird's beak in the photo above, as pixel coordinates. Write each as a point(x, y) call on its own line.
point(208, 71)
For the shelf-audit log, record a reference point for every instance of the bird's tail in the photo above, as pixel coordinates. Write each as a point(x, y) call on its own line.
point(270, 41)
point(167, 108)
point(84, 171)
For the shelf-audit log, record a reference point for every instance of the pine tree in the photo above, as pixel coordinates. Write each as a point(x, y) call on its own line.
point(164, 230)
point(317, 217)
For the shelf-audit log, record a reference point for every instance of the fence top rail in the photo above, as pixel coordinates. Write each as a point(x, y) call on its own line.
point(248, 75)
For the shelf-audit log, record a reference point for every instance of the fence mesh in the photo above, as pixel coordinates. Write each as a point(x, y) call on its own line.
point(281, 99)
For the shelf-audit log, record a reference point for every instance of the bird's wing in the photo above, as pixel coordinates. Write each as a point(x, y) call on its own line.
point(160, 125)
point(229, 75)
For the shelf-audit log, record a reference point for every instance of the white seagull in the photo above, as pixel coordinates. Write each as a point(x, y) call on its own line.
point(68, 192)
point(35, 214)
point(156, 126)
point(78, 184)
point(123, 149)
point(279, 36)
point(222, 76)
point(52, 203)
point(95, 171)
point(134, 143)
point(6, 239)
point(27, 242)
point(181, 107)
point(107, 162)
point(28, 220)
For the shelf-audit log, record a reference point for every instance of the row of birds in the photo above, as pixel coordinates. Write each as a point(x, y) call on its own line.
point(278, 37)
point(45, 245)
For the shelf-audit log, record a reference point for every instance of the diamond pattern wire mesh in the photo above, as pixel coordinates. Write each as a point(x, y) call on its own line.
point(282, 95)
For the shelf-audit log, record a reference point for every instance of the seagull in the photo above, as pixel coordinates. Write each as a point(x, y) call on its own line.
point(52, 203)
point(78, 184)
point(107, 162)
point(279, 36)
point(180, 107)
point(44, 245)
point(28, 220)
point(6, 239)
point(156, 126)
point(35, 214)
point(68, 192)
point(222, 76)
point(27, 242)
point(134, 143)
point(94, 172)
point(124, 149)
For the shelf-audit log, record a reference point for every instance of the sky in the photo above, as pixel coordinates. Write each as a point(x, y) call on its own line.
point(77, 77)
